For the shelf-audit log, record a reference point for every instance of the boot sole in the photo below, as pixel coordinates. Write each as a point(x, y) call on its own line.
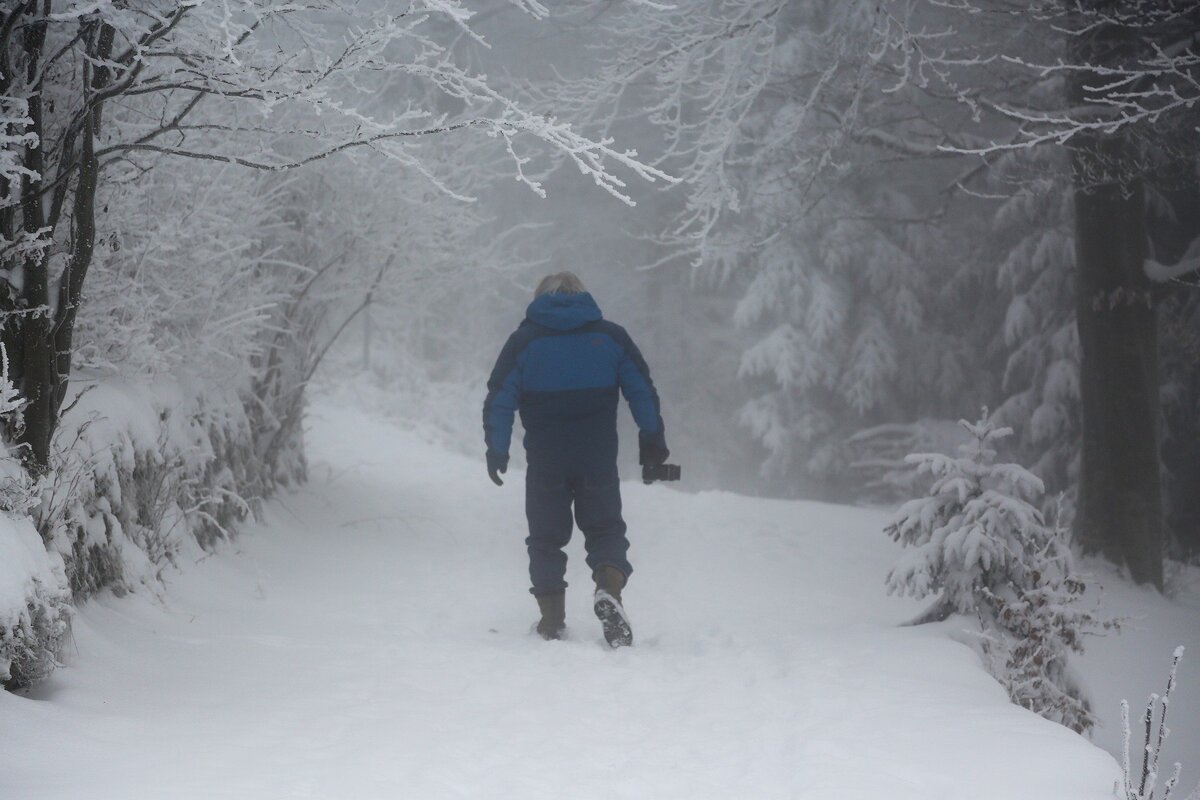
point(613, 620)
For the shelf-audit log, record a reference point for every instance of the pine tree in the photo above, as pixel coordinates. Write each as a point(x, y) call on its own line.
point(1034, 275)
point(979, 542)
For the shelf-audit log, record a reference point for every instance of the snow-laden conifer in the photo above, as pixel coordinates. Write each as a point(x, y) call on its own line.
point(972, 528)
point(772, 114)
point(980, 543)
point(1033, 236)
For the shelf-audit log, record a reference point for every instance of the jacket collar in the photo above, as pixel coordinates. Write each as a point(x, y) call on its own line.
point(563, 312)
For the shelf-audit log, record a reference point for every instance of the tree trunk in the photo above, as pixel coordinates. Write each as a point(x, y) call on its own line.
point(1120, 483)
point(1120, 487)
point(36, 349)
point(1172, 233)
point(1181, 458)
point(47, 338)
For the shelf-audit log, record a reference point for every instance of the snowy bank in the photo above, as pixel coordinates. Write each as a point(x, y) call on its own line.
point(148, 470)
point(33, 603)
point(146, 473)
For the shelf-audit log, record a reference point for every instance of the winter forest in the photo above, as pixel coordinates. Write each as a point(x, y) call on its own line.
point(918, 286)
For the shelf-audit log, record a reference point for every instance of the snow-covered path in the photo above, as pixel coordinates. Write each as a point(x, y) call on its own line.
point(371, 640)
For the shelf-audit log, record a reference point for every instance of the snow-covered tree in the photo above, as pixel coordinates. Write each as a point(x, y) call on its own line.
point(1115, 85)
point(807, 192)
point(1034, 275)
point(973, 529)
point(979, 543)
point(770, 110)
point(186, 276)
point(834, 307)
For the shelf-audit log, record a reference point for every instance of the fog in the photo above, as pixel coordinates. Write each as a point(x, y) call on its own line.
point(612, 245)
point(849, 258)
point(917, 288)
point(834, 229)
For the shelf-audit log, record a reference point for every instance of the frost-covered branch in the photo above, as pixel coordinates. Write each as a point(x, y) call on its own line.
point(1143, 783)
point(1188, 264)
point(1133, 67)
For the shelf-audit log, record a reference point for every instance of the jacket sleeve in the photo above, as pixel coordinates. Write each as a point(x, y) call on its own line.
point(638, 389)
point(504, 392)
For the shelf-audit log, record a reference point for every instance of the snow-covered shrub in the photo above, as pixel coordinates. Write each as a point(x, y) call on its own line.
point(1030, 632)
point(142, 473)
point(1145, 784)
point(34, 617)
point(980, 543)
point(18, 490)
point(33, 593)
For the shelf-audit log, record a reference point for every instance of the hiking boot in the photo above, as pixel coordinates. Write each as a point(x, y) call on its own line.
point(554, 615)
point(607, 605)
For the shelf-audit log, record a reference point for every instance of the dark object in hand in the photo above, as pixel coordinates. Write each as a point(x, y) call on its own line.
point(660, 472)
point(652, 448)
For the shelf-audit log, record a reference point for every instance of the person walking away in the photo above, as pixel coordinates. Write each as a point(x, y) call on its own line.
point(562, 370)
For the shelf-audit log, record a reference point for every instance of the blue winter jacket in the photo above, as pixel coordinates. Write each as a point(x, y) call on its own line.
point(562, 368)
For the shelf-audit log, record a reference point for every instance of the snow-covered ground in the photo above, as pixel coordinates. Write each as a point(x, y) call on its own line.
point(371, 640)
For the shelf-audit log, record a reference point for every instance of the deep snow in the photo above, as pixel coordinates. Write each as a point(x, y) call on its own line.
point(371, 640)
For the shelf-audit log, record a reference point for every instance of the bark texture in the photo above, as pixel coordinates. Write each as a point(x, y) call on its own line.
point(1120, 484)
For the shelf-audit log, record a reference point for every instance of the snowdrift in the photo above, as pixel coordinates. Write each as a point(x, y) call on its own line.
point(148, 473)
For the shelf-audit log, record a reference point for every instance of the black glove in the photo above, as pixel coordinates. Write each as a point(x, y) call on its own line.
point(497, 464)
point(652, 448)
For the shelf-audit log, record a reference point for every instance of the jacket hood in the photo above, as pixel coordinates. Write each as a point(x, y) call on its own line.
point(563, 312)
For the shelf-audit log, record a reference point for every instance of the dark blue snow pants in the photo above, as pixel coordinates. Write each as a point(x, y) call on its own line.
point(596, 496)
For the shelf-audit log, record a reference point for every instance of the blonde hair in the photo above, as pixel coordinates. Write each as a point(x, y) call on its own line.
point(560, 283)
